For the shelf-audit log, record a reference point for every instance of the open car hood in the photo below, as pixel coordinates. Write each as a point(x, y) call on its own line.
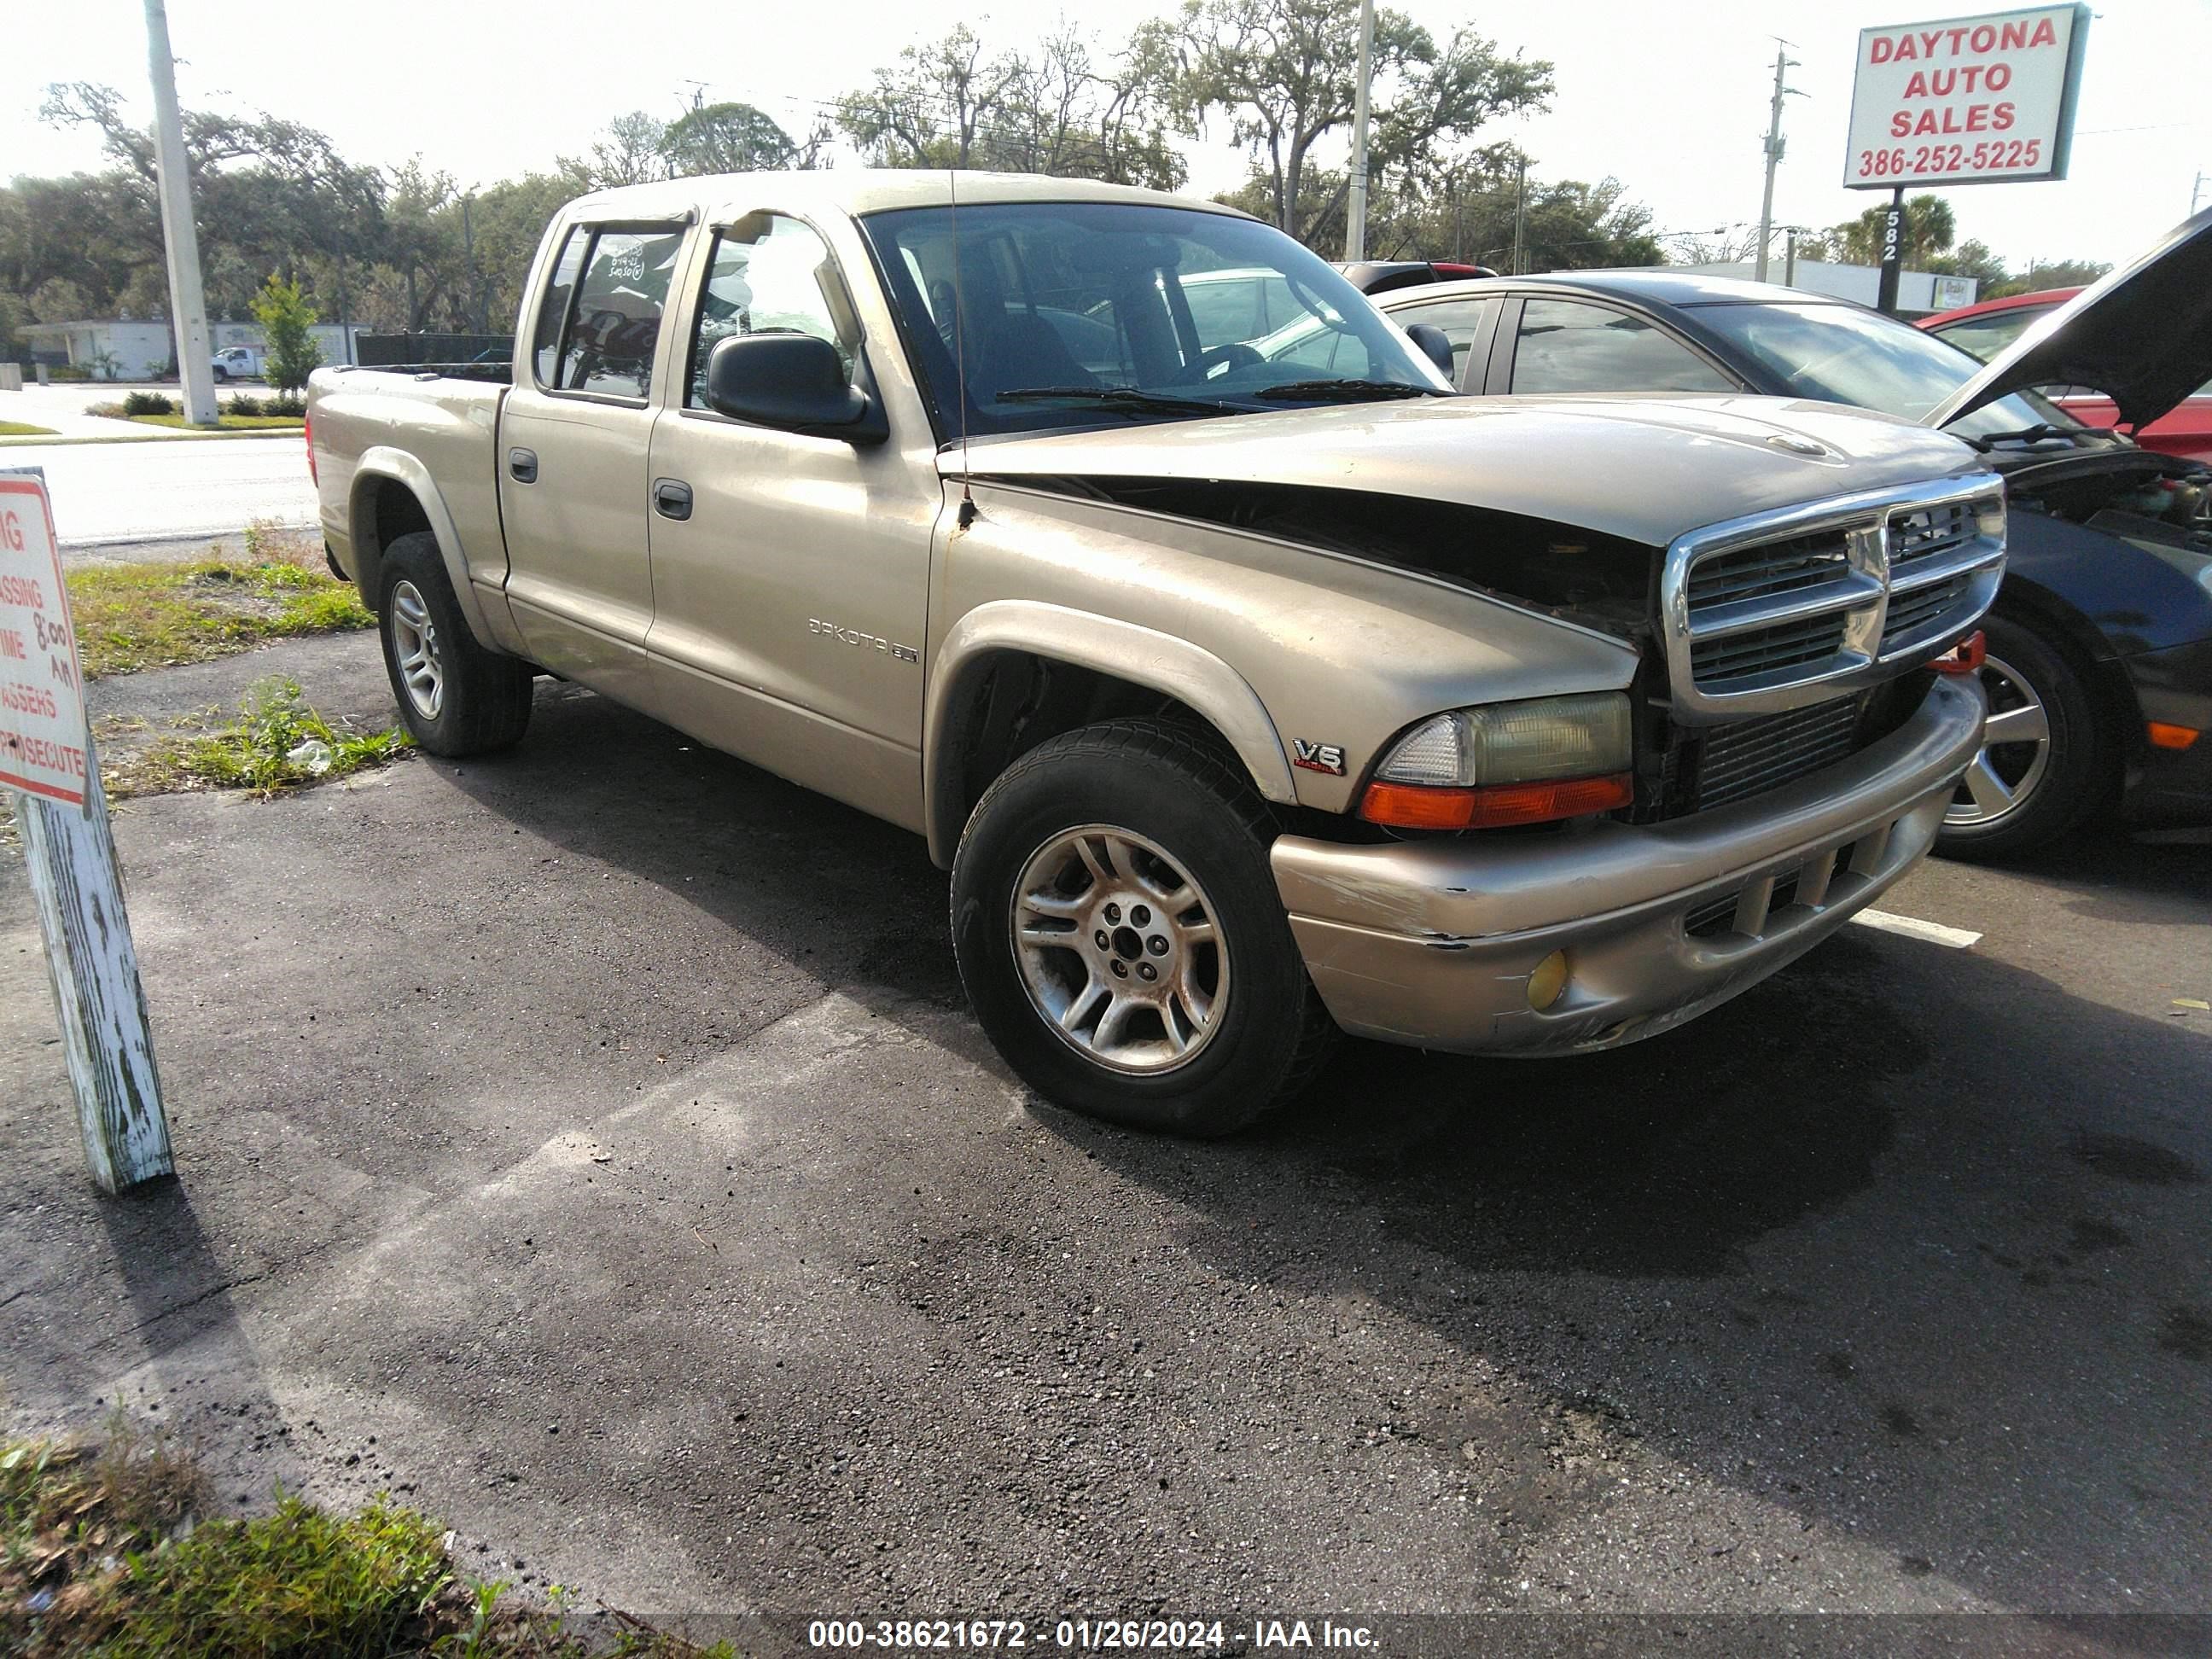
point(2142, 337)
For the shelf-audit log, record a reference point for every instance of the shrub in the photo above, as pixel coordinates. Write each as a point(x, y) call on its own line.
point(148, 402)
point(285, 317)
point(243, 404)
point(284, 403)
point(69, 372)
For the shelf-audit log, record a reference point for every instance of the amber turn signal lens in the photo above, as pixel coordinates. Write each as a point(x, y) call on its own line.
point(1965, 658)
point(1491, 806)
point(2164, 736)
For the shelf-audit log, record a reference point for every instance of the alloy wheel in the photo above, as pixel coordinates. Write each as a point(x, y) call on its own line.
point(2015, 753)
point(1119, 950)
point(415, 648)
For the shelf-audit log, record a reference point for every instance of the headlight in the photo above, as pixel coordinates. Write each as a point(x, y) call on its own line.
point(1508, 762)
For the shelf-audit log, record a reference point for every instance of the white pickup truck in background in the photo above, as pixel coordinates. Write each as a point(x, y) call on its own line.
point(238, 362)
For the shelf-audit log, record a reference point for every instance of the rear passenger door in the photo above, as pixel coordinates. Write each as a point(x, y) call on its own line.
point(575, 438)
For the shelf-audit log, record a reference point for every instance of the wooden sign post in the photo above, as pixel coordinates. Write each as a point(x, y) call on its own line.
point(46, 759)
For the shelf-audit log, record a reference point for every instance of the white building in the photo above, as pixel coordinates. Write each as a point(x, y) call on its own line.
point(144, 350)
point(1918, 292)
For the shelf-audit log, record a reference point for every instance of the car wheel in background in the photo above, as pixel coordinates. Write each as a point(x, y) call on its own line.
point(456, 697)
point(2042, 765)
point(1118, 932)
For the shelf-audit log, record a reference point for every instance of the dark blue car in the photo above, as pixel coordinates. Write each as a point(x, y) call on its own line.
point(2099, 669)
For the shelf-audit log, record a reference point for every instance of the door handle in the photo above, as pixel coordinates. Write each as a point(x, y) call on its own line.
point(522, 465)
point(671, 498)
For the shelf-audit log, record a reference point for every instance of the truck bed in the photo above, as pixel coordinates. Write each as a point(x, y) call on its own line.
point(439, 422)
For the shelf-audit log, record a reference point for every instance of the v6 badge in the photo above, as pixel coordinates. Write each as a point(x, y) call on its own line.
point(1318, 757)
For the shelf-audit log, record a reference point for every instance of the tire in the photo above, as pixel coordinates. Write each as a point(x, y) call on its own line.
point(2019, 796)
point(222, 377)
point(456, 697)
point(1214, 1032)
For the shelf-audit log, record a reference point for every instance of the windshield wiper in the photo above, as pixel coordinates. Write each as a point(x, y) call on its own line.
point(1122, 399)
point(1347, 392)
point(2073, 434)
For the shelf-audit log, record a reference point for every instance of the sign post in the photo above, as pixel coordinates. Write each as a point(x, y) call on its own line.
point(1987, 100)
point(1893, 254)
point(46, 760)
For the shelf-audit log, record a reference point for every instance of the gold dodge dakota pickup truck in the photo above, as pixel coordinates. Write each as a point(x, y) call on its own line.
point(1250, 684)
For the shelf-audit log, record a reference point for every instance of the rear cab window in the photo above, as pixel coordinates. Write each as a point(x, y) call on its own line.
point(598, 321)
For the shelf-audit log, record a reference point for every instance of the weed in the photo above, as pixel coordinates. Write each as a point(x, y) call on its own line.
point(108, 1550)
point(133, 617)
point(278, 741)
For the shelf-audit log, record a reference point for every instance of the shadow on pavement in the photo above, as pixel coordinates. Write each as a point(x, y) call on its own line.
point(1907, 1241)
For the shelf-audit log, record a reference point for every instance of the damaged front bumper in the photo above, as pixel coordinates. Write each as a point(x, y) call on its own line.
point(1433, 943)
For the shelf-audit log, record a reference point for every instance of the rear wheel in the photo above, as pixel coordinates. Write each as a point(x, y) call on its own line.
point(2042, 767)
point(1118, 932)
point(456, 697)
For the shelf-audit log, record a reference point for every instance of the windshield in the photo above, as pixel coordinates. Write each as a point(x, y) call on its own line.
point(1092, 313)
point(1840, 355)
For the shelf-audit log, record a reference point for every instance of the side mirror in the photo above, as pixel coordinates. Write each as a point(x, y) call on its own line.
point(1435, 345)
point(794, 381)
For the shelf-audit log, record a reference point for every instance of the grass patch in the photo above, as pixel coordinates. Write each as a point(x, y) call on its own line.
point(24, 429)
point(134, 616)
point(278, 742)
point(226, 421)
point(107, 1550)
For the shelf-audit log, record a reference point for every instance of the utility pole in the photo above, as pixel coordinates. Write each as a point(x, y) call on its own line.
point(2195, 185)
point(1520, 212)
point(469, 259)
point(1782, 61)
point(187, 300)
point(1355, 218)
point(1789, 258)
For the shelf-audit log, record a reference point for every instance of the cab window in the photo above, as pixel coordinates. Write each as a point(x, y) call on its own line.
point(606, 349)
point(1566, 346)
point(763, 277)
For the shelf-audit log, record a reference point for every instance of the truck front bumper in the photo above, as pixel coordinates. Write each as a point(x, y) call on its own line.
point(1434, 942)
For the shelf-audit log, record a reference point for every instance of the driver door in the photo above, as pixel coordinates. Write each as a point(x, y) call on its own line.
point(790, 572)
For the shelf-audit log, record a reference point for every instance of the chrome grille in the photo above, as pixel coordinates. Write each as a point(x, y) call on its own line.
point(1779, 611)
point(1737, 656)
point(1753, 573)
point(1749, 757)
point(1928, 531)
point(1914, 614)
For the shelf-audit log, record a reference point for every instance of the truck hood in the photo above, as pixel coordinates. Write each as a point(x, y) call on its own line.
point(1641, 469)
point(2142, 337)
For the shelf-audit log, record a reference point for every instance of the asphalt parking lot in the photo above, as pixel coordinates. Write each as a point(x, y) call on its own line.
point(590, 1144)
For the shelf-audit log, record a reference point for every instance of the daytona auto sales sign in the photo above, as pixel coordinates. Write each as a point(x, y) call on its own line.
point(1967, 101)
point(42, 728)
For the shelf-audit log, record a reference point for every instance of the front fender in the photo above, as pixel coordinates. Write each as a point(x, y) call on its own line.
point(1126, 650)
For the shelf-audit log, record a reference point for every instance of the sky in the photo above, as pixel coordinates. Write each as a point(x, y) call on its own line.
point(1672, 99)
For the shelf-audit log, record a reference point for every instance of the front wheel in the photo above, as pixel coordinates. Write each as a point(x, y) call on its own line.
point(2043, 766)
point(221, 376)
point(456, 697)
point(1118, 932)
